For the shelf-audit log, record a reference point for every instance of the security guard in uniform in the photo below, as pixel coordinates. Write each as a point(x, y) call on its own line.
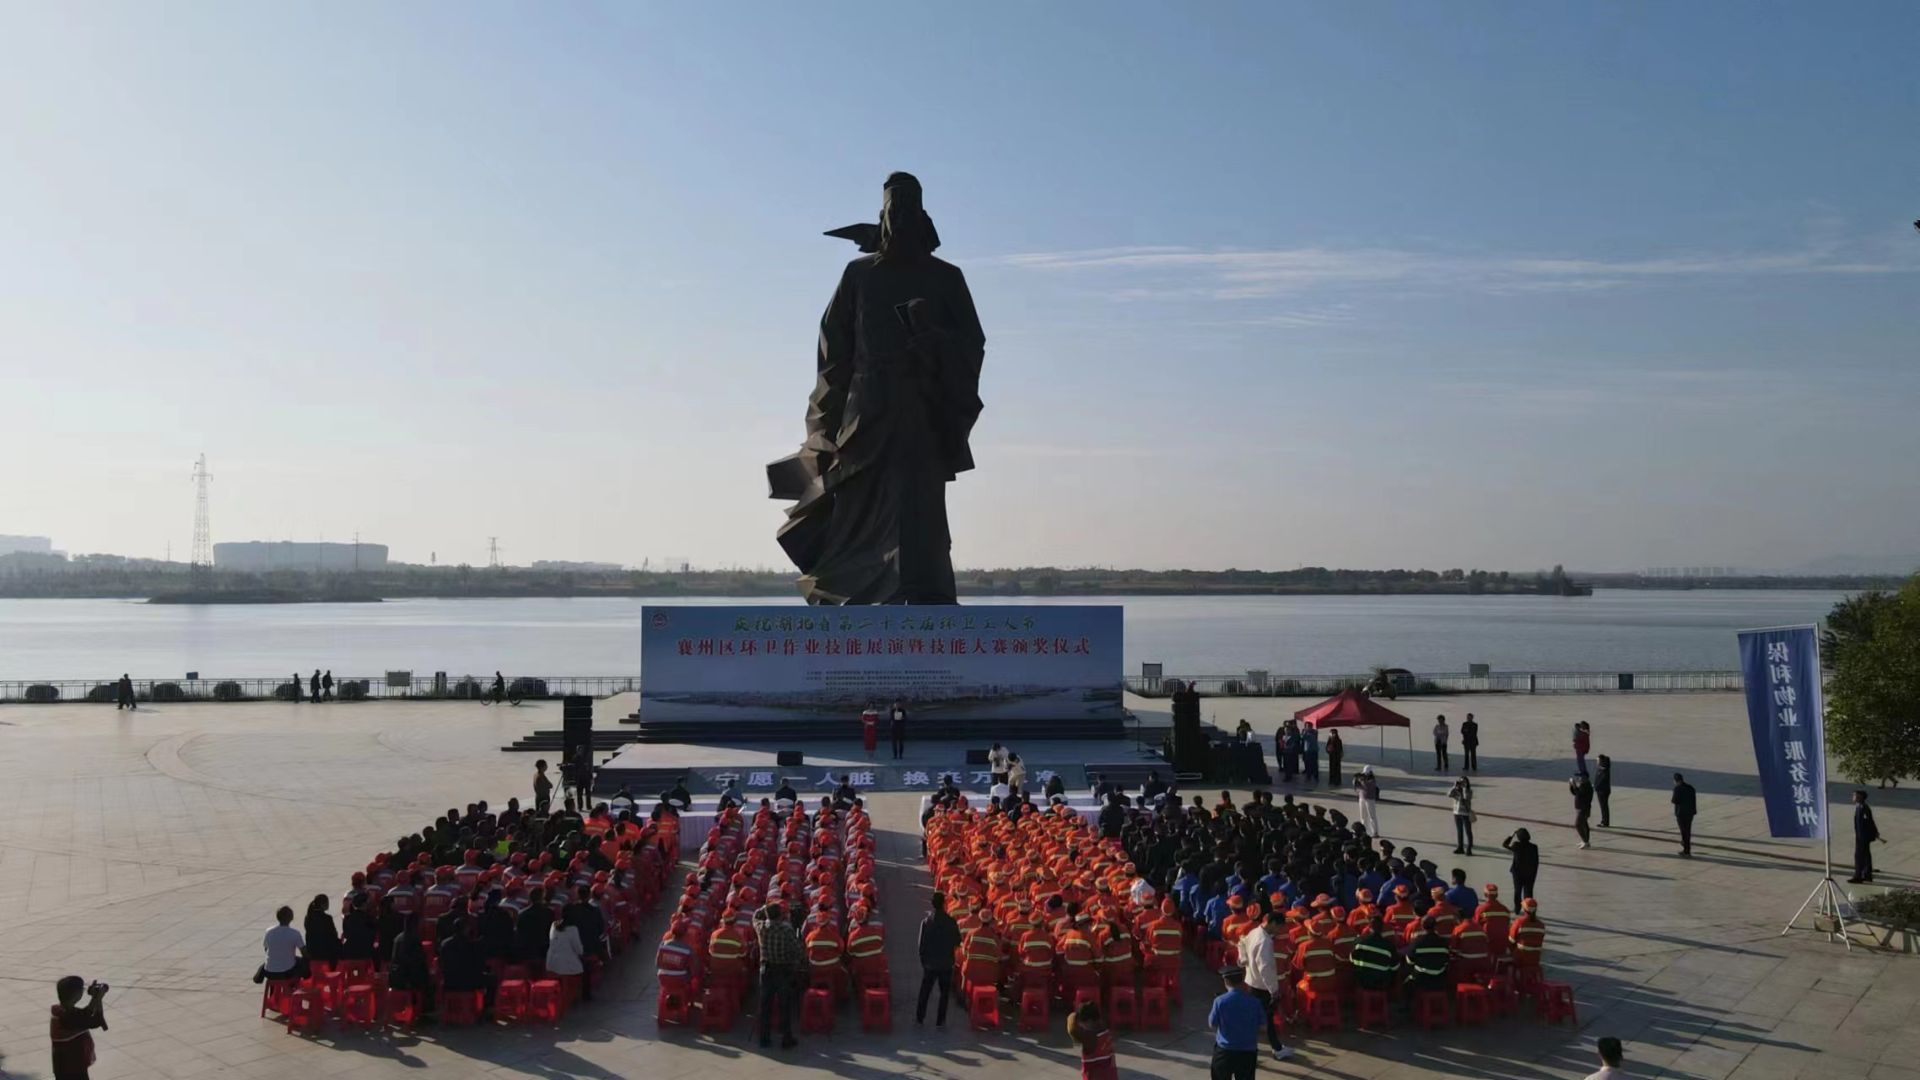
point(1374, 958)
point(1428, 960)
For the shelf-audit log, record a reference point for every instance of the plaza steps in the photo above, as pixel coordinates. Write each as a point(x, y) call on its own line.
point(549, 740)
point(778, 733)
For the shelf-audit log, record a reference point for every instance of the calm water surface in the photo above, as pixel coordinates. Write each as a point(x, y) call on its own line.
point(1306, 635)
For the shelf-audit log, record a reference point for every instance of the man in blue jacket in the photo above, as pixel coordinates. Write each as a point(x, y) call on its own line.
point(1237, 1019)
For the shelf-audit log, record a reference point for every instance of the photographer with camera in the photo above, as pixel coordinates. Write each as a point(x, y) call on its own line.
point(72, 1045)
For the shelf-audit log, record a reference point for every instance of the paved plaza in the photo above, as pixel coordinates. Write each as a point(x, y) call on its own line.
point(149, 850)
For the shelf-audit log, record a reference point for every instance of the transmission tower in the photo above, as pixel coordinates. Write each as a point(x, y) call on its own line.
point(493, 552)
point(202, 565)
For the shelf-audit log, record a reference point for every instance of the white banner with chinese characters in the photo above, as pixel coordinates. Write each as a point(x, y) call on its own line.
point(765, 662)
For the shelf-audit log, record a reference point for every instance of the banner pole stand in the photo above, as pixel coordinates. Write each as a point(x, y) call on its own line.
point(1825, 899)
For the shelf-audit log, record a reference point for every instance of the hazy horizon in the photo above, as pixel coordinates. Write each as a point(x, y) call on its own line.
point(1263, 285)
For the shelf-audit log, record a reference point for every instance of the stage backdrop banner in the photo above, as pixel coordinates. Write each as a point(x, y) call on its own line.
point(1781, 669)
point(767, 662)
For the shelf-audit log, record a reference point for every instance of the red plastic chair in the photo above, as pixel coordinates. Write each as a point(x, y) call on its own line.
point(983, 1008)
point(461, 1008)
point(1168, 981)
point(1153, 1008)
point(307, 1013)
point(1431, 1009)
point(360, 1005)
point(1474, 1003)
point(1083, 995)
point(876, 1009)
point(1034, 1006)
point(1556, 1003)
point(816, 1011)
point(1123, 1007)
point(547, 1000)
point(1505, 1000)
point(719, 1005)
point(277, 996)
point(357, 971)
point(1323, 1011)
point(510, 1000)
point(400, 1008)
point(332, 985)
point(1374, 1009)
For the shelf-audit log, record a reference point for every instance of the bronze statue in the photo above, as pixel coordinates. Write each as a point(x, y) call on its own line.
point(895, 400)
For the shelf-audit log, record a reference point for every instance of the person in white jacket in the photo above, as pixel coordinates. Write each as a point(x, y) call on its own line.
point(565, 956)
point(1367, 790)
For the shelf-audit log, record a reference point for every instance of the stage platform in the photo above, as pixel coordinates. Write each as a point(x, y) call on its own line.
point(648, 768)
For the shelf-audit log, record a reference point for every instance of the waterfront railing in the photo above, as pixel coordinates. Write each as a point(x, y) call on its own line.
point(441, 687)
point(395, 685)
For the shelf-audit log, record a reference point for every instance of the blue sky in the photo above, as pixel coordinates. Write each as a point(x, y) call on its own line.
point(1478, 285)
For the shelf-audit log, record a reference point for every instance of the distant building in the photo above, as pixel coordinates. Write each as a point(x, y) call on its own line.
point(36, 545)
point(570, 566)
point(259, 556)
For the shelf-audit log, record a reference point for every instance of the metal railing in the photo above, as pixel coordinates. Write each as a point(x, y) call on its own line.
point(1497, 682)
point(534, 687)
point(349, 688)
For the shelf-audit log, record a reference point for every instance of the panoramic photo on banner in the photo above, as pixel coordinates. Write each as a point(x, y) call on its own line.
point(779, 662)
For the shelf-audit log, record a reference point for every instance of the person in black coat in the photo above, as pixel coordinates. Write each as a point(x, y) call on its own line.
point(1581, 787)
point(591, 924)
point(1603, 789)
point(390, 923)
point(359, 931)
point(1685, 805)
point(323, 941)
point(1526, 863)
point(463, 961)
point(1865, 834)
point(408, 968)
point(497, 931)
point(939, 936)
point(533, 928)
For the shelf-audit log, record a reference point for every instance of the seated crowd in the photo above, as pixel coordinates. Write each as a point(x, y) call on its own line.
point(477, 902)
point(805, 881)
point(1294, 893)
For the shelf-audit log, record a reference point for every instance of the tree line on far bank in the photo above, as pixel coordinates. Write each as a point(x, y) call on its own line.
point(1871, 650)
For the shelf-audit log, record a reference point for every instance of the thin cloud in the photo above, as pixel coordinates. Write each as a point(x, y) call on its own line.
point(1259, 274)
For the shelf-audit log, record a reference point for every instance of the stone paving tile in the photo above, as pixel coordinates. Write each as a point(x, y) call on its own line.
point(150, 850)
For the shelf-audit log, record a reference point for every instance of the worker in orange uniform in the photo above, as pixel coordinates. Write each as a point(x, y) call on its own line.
point(1317, 962)
point(866, 949)
point(727, 955)
point(826, 958)
point(1400, 917)
point(1077, 959)
point(1528, 937)
point(980, 957)
point(1036, 958)
point(1119, 964)
point(677, 960)
point(1363, 912)
point(1444, 914)
point(1163, 939)
point(1470, 960)
point(1239, 920)
point(1496, 920)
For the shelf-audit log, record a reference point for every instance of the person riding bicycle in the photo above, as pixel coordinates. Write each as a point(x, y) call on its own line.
point(499, 690)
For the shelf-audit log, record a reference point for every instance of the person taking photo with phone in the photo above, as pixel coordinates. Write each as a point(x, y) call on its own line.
point(72, 1025)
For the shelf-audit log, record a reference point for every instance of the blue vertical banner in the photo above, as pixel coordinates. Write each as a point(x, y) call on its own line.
point(1781, 669)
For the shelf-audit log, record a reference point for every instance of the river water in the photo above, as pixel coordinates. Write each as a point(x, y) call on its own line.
point(1218, 635)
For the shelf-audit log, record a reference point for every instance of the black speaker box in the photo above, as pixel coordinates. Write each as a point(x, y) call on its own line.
point(790, 758)
point(576, 725)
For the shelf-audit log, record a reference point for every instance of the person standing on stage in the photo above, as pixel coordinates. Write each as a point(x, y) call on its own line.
point(899, 730)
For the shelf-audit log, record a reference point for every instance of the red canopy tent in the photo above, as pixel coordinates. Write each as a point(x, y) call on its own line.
point(1351, 708)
